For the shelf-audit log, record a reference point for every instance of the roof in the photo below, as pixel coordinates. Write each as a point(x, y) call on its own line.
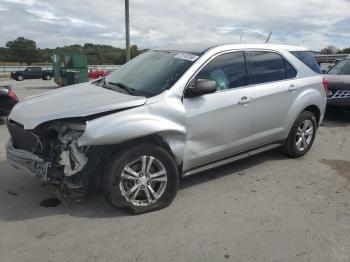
point(202, 48)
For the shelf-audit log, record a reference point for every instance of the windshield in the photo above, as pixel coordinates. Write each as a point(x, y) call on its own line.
point(152, 72)
point(342, 68)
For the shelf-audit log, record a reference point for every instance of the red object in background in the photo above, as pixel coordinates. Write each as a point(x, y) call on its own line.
point(325, 85)
point(12, 95)
point(94, 74)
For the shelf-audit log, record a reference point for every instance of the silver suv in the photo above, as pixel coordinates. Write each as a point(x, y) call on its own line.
point(171, 112)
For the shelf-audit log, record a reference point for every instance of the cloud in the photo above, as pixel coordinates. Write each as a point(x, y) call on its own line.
point(313, 23)
point(22, 2)
point(43, 15)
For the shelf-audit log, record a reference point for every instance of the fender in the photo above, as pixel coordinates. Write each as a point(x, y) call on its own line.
point(157, 118)
point(306, 98)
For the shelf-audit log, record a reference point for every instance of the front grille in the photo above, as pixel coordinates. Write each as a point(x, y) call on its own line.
point(341, 94)
point(23, 139)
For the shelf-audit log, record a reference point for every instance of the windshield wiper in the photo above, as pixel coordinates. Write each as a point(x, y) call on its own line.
point(129, 90)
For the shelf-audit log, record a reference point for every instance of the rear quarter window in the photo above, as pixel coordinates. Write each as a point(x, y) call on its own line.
point(308, 59)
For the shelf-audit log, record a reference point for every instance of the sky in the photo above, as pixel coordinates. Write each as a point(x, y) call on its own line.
point(51, 23)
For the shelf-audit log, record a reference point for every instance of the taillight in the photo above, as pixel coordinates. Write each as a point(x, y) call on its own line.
point(12, 95)
point(325, 85)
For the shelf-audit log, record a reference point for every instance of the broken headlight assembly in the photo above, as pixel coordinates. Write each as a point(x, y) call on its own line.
point(66, 159)
point(72, 157)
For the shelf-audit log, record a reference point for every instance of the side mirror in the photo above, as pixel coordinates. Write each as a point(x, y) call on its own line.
point(202, 87)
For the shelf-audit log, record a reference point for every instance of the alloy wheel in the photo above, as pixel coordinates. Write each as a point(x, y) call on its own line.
point(143, 181)
point(304, 135)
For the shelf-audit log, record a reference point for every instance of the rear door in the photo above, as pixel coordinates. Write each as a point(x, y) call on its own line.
point(272, 78)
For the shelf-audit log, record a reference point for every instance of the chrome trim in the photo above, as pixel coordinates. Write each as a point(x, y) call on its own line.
point(341, 94)
point(231, 159)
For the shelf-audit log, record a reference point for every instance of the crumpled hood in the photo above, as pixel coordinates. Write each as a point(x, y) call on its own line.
point(73, 101)
point(338, 81)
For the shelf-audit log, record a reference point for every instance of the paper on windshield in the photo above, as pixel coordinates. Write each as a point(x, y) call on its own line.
point(185, 56)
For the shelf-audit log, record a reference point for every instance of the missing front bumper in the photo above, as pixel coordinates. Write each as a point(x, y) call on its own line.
point(27, 162)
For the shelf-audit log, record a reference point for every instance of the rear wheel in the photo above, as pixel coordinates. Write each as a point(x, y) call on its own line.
point(302, 135)
point(141, 179)
point(19, 78)
point(47, 77)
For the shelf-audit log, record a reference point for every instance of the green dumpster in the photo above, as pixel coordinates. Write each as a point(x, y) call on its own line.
point(70, 68)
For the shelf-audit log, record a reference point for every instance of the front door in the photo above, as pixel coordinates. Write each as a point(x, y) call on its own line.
point(219, 124)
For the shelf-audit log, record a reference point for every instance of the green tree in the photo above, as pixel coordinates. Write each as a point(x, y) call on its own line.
point(345, 51)
point(23, 50)
point(331, 49)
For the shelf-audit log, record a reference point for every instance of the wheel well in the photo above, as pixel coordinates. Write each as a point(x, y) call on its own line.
point(103, 154)
point(315, 110)
point(154, 139)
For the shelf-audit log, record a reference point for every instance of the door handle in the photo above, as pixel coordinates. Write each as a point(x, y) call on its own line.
point(292, 88)
point(245, 100)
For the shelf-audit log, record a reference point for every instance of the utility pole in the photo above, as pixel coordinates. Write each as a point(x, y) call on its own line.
point(127, 30)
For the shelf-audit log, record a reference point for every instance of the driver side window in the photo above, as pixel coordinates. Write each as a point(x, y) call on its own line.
point(228, 70)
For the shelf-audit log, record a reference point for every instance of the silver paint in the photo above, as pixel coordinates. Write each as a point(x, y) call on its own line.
point(72, 101)
point(198, 130)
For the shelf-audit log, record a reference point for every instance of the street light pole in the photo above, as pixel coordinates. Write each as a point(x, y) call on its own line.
point(127, 30)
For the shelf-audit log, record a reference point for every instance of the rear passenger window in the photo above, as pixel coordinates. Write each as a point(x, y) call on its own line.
point(266, 67)
point(228, 70)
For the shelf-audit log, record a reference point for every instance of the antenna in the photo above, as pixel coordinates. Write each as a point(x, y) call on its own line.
point(268, 38)
point(240, 38)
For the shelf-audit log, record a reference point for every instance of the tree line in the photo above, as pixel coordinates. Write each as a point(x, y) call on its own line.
point(22, 50)
point(331, 49)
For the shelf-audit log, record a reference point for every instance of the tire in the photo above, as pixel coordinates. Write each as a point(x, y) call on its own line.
point(117, 183)
point(19, 78)
point(47, 77)
point(300, 140)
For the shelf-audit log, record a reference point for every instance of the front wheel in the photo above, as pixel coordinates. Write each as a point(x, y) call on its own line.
point(302, 135)
point(141, 179)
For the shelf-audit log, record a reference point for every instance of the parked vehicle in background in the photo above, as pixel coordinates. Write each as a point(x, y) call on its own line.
point(94, 74)
point(339, 84)
point(32, 73)
point(7, 100)
point(171, 112)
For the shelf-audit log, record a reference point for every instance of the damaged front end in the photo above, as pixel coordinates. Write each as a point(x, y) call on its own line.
point(51, 152)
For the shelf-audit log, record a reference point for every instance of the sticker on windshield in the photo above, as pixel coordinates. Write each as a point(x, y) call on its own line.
point(186, 56)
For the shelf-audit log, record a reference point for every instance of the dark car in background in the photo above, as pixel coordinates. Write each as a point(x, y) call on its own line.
point(7, 100)
point(32, 73)
point(339, 84)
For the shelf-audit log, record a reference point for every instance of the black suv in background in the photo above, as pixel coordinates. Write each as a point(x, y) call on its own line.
point(32, 73)
point(339, 84)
